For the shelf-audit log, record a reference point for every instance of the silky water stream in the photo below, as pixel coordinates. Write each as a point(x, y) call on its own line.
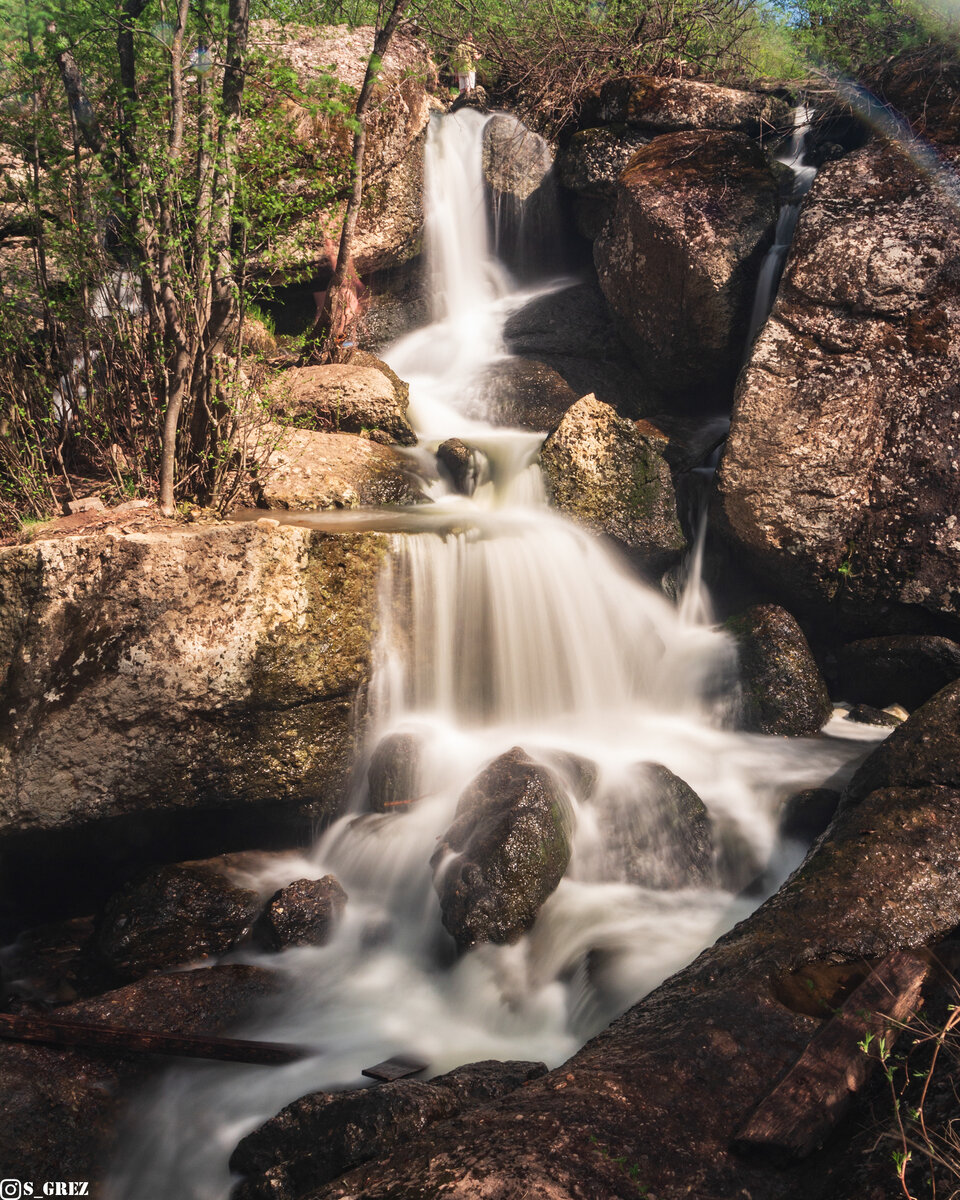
point(502, 624)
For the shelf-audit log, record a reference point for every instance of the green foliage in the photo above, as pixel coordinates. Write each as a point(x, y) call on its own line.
point(854, 36)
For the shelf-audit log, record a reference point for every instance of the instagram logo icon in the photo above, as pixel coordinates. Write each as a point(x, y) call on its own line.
point(10, 1189)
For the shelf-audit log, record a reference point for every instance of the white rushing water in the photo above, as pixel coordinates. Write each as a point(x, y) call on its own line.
point(503, 625)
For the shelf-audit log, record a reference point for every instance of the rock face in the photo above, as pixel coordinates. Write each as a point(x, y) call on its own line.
point(59, 1109)
point(346, 398)
point(523, 393)
point(783, 690)
point(390, 224)
point(172, 915)
point(905, 670)
point(853, 505)
point(312, 470)
point(320, 1136)
point(602, 471)
point(505, 852)
point(660, 105)
point(192, 666)
point(678, 261)
point(304, 913)
point(518, 170)
point(590, 165)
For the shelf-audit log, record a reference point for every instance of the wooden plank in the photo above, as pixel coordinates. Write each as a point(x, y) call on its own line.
point(398, 1067)
point(21, 1028)
point(794, 1118)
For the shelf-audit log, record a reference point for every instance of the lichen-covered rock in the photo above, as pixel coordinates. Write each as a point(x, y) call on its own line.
point(312, 470)
point(518, 170)
point(393, 776)
point(319, 1136)
point(656, 831)
point(345, 398)
point(172, 915)
point(304, 913)
point(187, 667)
point(505, 852)
point(590, 165)
point(783, 690)
point(523, 393)
point(679, 259)
point(604, 472)
point(60, 1109)
point(851, 507)
point(661, 105)
point(906, 669)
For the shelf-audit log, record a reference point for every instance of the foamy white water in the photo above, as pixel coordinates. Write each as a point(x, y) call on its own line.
point(503, 624)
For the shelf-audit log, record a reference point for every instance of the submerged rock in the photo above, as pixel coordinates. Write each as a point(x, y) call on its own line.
point(783, 690)
point(312, 470)
point(524, 393)
point(346, 398)
point(604, 472)
point(907, 670)
point(304, 913)
point(679, 259)
point(460, 463)
point(172, 915)
point(393, 776)
point(504, 854)
point(851, 507)
point(320, 1136)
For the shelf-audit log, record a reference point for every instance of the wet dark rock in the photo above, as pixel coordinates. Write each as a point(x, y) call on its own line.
point(172, 915)
point(924, 752)
point(866, 714)
point(322, 1135)
point(906, 669)
point(460, 463)
point(850, 509)
point(518, 169)
point(304, 913)
point(505, 852)
point(580, 773)
point(59, 1109)
point(52, 965)
point(572, 331)
point(807, 814)
point(662, 105)
point(393, 776)
point(783, 690)
point(524, 393)
point(657, 831)
point(679, 259)
point(606, 473)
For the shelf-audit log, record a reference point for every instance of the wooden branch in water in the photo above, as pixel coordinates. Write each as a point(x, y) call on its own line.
point(793, 1120)
point(21, 1028)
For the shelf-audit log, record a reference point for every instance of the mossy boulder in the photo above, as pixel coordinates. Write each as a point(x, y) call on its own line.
point(604, 472)
point(505, 852)
point(782, 688)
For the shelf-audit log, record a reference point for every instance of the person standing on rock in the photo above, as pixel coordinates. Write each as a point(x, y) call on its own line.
point(464, 61)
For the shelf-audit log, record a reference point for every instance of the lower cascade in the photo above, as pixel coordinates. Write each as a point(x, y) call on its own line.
point(512, 645)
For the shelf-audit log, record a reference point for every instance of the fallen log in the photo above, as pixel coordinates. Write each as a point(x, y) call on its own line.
point(798, 1114)
point(23, 1028)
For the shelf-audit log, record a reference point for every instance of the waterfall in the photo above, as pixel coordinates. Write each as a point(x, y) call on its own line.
point(502, 624)
point(803, 176)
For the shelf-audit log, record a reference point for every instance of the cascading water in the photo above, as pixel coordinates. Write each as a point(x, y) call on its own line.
point(803, 177)
point(503, 625)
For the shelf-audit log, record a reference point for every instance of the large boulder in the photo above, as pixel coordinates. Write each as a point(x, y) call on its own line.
point(660, 105)
point(679, 259)
point(345, 398)
point(172, 915)
point(590, 165)
point(606, 473)
point(322, 1135)
point(308, 469)
point(524, 393)
point(518, 171)
point(189, 667)
point(839, 479)
point(906, 669)
point(505, 852)
point(782, 688)
point(389, 227)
